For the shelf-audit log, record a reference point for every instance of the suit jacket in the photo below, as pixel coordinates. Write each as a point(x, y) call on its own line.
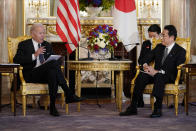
point(173, 59)
point(146, 48)
point(24, 56)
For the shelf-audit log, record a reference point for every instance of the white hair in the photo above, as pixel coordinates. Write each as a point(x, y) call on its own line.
point(35, 25)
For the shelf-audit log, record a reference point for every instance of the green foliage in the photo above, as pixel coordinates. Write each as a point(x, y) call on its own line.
point(107, 4)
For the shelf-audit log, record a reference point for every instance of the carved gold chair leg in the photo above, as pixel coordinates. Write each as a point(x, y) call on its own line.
point(152, 101)
point(66, 108)
point(62, 99)
point(167, 100)
point(12, 101)
point(176, 104)
point(24, 104)
point(46, 102)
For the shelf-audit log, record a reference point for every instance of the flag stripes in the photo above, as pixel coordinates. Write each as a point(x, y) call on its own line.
point(68, 23)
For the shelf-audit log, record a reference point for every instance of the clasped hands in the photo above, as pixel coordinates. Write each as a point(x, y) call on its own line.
point(149, 69)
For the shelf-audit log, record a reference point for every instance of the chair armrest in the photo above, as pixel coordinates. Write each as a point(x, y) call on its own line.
point(137, 73)
point(179, 68)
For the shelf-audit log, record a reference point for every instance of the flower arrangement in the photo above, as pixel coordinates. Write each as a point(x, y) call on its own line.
point(106, 4)
point(102, 37)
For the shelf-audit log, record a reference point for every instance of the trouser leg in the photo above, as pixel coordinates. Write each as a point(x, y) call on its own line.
point(47, 73)
point(63, 83)
point(158, 90)
point(53, 86)
point(141, 81)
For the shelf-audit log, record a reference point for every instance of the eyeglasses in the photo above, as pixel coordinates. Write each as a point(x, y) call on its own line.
point(161, 35)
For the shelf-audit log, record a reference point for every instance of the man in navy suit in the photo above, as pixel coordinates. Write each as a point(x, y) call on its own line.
point(166, 56)
point(30, 54)
point(153, 32)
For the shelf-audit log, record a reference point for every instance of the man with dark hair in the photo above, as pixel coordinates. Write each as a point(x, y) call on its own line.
point(166, 56)
point(31, 54)
point(153, 32)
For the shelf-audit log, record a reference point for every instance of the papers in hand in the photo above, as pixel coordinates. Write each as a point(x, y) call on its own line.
point(52, 57)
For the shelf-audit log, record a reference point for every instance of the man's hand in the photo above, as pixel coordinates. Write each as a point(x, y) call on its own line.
point(145, 67)
point(40, 50)
point(149, 69)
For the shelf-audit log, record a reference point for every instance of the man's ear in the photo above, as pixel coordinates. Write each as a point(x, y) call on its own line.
point(172, 37)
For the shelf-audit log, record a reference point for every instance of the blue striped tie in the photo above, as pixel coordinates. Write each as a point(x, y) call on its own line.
point(41, 56)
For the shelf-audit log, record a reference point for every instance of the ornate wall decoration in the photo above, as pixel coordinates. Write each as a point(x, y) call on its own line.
point(35, 9)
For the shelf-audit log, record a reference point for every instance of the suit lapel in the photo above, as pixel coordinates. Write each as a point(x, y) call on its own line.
point(32, 46)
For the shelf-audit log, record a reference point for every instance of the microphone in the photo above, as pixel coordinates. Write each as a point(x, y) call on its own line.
point(132, 44)
point(88, 58)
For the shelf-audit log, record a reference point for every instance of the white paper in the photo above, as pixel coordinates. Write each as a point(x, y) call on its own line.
point(9, 64)
point(52, 57)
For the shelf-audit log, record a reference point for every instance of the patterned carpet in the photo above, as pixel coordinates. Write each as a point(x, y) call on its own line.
point(92, 117)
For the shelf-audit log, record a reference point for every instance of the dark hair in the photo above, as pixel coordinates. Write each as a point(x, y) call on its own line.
point(171, 31)
point(154, 28)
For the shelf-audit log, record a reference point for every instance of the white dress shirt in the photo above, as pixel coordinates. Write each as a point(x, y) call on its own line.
point(35, 44)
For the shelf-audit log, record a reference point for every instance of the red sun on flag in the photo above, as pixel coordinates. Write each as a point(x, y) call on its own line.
point(125, 6)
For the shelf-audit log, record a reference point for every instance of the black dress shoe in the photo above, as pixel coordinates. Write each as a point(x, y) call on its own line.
point(129, 111)
point(54, 112)
point(73, 99)
point(156, 113)
point(140, 104)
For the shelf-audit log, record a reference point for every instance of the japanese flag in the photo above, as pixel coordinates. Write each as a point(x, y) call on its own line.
point(125, 22)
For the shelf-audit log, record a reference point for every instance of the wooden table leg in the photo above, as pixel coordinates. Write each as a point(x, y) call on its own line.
point(120, 90)
point(117, 90)
point(187, 92)
point(0, 90)
point(113, 86)
point(79, 87)
point(15, 88)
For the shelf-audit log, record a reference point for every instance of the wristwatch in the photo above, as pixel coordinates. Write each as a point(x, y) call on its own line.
point(161, 71)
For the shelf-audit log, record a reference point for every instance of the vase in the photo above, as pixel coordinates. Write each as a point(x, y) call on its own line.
point(93, 11)
point(103, 54)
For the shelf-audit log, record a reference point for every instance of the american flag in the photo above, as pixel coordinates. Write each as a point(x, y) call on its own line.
point(68, 23)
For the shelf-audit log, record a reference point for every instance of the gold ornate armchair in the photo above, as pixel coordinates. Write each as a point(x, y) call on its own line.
point(29, 88)
point(172, 88)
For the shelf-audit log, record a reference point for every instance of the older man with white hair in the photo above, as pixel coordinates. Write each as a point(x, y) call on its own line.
point(31, 54)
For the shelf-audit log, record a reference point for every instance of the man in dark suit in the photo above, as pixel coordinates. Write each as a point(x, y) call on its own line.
point(166, 56)
point(31, 54)
point(153, 32)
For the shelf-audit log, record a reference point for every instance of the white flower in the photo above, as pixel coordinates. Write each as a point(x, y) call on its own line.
point(101, 40)
point(101, 44)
